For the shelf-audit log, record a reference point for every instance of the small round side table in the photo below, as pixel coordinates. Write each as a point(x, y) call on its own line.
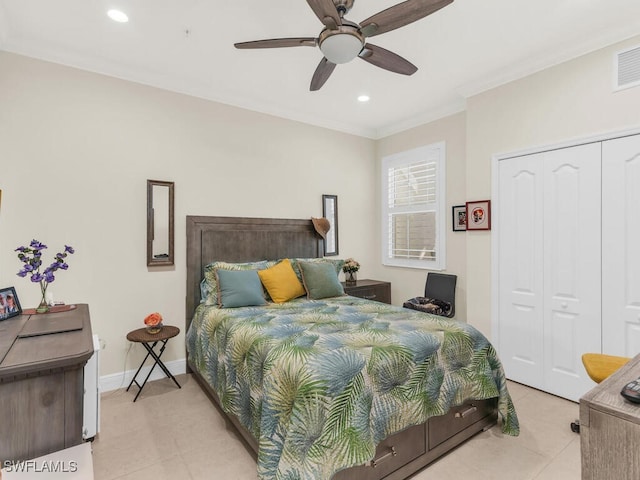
point(149, 342)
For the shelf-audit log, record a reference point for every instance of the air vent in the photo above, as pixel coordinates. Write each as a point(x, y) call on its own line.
point(627, 68)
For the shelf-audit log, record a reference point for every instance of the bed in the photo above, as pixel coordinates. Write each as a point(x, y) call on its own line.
point(335, 387)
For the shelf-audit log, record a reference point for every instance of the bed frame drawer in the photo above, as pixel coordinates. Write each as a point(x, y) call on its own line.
point(391, 454)
point(458, 418)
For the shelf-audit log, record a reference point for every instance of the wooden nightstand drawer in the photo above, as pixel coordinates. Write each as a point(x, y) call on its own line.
point(370, 289)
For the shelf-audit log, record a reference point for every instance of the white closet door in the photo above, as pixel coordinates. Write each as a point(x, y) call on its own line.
point(572, 266)
point(621, 246)
point(520, 268)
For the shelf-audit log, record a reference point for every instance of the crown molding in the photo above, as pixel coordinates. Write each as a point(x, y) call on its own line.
point(173, 83)
point(200, 89)
point(445, 110)
point(543, 61)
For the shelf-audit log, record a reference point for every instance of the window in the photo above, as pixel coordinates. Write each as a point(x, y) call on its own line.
point(413, 210)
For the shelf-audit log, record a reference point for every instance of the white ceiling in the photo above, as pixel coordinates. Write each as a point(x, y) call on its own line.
point(187, 46)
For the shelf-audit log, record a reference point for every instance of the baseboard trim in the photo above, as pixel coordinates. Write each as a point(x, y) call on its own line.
point(115, 381)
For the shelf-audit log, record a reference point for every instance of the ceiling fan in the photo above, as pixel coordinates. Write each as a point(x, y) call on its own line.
point(342, 40)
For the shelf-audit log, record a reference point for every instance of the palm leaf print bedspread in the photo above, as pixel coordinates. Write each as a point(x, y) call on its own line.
point(320, 382)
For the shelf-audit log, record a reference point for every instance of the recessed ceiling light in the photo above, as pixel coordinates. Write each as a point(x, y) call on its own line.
point(363, 98)
point(118, 16)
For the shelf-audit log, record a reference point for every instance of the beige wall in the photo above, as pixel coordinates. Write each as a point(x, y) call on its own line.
point(569, 101)
point(407, 282)
point(76, 150)
point(565, 102)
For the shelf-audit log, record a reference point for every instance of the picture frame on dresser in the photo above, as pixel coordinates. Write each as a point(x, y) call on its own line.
point(9, 303)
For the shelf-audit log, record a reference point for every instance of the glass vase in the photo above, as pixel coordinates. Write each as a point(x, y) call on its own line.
point(153, 329)
point(44, 306)
point(351, 278)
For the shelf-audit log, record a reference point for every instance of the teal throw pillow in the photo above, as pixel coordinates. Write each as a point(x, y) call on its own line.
point(209, 284)
point(239, 288)
point(320, 280)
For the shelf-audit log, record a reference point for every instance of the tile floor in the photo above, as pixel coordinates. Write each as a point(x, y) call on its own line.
point(180, 435)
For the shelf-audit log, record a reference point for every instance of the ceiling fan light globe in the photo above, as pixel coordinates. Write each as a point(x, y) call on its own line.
point(341, 47)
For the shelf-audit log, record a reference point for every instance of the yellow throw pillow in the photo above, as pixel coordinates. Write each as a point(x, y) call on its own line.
point(281, 282)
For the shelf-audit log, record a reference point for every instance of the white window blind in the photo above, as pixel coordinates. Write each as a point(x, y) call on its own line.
point(413, 208)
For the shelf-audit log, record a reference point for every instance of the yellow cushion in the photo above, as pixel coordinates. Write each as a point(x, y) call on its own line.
point(600, 366)
point(281, 282)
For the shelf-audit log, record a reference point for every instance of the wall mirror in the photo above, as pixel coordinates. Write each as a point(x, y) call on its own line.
point(330, 212)
point(159, 223)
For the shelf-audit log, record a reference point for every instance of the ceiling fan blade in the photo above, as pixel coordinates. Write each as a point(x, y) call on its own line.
point(382, 58)
point(321, 75)
point(279, 43)
point(400, 15)
point(326, 11)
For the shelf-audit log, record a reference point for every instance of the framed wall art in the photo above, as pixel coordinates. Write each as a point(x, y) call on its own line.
point(9, 303)
point(330, 212)
point(160, 223)
point(459, 218)
point(479, 215)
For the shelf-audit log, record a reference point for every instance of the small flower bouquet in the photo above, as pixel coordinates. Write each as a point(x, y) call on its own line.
point(350, 268)
point(350, 265)
point(31, 256)
point(153, 321)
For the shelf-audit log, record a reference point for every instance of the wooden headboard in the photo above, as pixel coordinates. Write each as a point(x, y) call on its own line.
point(242, 239)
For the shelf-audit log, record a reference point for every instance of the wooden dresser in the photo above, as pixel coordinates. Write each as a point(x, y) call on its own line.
point(41, 382)
point(370, 289)
point(610, 429)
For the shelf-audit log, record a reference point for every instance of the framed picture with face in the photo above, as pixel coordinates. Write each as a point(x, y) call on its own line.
point(9, 303)
point(459, 218)
point(478, 215)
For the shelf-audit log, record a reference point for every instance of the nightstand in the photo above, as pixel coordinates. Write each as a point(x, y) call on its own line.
point(149, 342)
point(370, 289)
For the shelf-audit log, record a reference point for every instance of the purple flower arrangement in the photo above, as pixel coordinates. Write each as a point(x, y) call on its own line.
point(31, 256)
